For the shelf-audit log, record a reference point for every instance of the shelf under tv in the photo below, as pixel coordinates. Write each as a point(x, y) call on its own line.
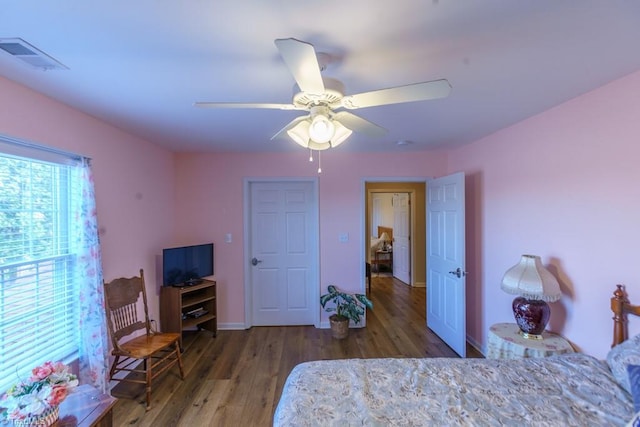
point(176, 302)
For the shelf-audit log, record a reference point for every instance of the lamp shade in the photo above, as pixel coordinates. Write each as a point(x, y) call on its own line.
point(318, 146)
point(341, 133)
point(300, 133)
point(384, 237)
point(530, 279)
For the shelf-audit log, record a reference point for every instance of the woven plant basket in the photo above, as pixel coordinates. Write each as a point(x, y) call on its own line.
point(339, 326)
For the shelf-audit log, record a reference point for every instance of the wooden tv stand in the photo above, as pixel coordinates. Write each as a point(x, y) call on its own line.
point(177, 302)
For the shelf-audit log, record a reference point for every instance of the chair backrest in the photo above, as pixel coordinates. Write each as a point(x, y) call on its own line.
point(126, 313)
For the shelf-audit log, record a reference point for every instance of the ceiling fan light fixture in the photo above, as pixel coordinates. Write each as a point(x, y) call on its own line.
point(300, 133)
point(341, 134)
point(322, 129)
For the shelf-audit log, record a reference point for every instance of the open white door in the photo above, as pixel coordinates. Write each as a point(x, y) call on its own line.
point(401, 233)
point(446, 306)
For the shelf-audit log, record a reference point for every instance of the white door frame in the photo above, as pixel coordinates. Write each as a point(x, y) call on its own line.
point(247, 250)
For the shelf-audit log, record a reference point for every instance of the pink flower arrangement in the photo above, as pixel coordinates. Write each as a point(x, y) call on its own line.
point(47, 387)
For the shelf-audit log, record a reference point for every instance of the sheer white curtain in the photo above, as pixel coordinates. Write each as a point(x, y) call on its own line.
point(93, 341)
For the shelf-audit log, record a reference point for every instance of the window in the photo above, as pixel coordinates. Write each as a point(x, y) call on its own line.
point(38, 287)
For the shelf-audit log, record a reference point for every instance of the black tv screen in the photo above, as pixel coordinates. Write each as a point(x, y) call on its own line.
point(186, 265)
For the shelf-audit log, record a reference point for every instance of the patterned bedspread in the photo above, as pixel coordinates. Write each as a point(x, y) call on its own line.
point(567, 390)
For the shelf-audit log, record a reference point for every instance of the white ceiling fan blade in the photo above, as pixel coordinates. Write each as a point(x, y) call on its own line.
point(358, 124)
point(400, 94)
point(245, 105)
point(289, 125)
point(302, 62)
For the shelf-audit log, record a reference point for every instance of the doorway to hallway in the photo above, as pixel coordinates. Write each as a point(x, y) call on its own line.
point(407, 221)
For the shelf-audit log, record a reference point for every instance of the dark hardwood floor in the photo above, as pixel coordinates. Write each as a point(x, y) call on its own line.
point(236, 378)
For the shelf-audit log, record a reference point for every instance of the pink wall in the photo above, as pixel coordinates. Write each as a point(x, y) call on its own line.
point(134, 179)
point(562, 185)
point(210, 188)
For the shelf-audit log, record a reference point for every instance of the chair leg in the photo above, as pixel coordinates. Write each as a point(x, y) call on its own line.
point(147, 365)
point(112, 371)
point(179, 360)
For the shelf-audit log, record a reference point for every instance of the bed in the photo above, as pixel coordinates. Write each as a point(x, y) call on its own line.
point(569, 390)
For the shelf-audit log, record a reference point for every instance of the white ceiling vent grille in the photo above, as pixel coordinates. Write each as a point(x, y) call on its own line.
point(33, 56)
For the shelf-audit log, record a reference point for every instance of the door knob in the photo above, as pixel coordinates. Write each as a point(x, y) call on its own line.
point(459, 273)
point(255, 261)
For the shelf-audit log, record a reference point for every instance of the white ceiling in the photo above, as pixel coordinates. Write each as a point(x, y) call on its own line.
point(141, 64)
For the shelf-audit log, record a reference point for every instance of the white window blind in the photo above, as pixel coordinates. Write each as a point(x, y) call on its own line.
point(38, 286)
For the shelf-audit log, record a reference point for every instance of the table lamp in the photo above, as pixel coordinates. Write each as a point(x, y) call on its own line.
point(535, 286)
point(385, 241)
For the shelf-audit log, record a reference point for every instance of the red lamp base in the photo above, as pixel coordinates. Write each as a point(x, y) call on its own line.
point(532, 316)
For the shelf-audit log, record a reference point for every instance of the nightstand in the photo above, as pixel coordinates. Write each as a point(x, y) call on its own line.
point(506, 342)
point(383, 257)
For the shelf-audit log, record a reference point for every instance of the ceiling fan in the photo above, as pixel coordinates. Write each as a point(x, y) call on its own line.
point(324, 127)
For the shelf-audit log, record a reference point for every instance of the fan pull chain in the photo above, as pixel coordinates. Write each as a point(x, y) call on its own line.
point(319, 163)
point(310, 155)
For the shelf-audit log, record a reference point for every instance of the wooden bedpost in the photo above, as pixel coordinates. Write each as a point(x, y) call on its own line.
point(621, 308)
point(620, 321)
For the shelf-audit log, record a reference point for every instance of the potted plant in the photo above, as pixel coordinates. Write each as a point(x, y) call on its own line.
point(347, 307)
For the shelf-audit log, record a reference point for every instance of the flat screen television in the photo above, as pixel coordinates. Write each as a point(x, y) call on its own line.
point(187, 265)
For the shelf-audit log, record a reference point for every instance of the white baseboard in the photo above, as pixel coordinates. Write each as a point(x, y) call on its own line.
point(231, 326)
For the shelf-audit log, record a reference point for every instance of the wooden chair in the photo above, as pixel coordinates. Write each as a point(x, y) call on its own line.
point(145, 356)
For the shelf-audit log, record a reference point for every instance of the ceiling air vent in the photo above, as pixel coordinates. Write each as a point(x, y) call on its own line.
point(22, 50)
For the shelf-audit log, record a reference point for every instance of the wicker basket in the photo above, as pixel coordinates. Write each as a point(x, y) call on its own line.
point(46, 419)
point(339, 327)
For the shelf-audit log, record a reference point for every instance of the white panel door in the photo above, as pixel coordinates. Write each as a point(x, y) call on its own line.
point(401, 237)
point(283, 232)
point(446, 307)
